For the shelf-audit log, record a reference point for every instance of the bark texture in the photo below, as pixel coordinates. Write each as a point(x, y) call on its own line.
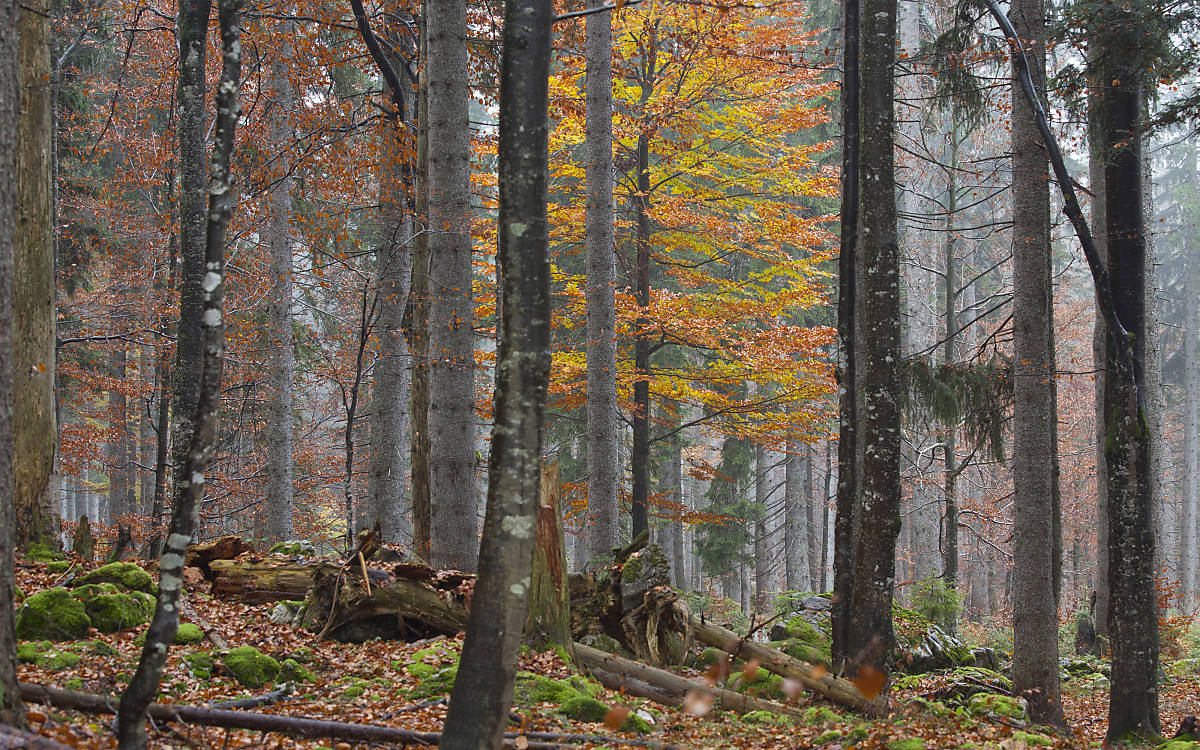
point(281, 358)
point(1035, 612)
point(798, 499)
point(482, 693)
point(12, 711)
point(603, 460)
point(34, 432)
point(422, 515)
point(451, 426)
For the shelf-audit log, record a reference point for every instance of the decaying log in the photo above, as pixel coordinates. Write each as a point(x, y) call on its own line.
point(12, 738)
point(295, 726)
point(225, 548)
point(834, 688)
point(263, 581)
point(667, 688)
point(404, 608)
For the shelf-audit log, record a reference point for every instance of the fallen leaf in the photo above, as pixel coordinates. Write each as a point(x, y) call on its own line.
point(869, 681)
point(615, 717)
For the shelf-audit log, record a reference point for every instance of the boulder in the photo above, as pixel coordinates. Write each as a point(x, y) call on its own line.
point(294, 548)
point(125, 575)
point(251, 667)
point(53, 615)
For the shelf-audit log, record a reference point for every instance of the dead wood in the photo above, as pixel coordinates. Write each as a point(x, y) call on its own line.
point(263, 581)
point(12, 738)
point(225, 548)
point(403, 608)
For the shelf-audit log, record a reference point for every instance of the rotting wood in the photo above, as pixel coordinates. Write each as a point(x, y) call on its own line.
point(295, 726)
point(835, 689)
point(264, 581)
point(223, 548)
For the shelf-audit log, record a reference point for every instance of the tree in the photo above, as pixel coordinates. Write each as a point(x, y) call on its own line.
point(190, 484)
point(1035, 611)
point(12, 711)
point(453, 527)
point(797, 488)
point(34, 430)
point(602, 415)
point(482, 692)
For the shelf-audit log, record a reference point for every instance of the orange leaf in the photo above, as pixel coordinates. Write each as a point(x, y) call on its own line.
point(869, 681)
point(615, 717)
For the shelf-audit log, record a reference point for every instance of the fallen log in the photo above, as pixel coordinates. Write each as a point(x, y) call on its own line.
point(405, 608)
point(295, 726)
point(264, 581)
point(12, 738)
point(834, 688)
point(202, 554)
point(667, 688)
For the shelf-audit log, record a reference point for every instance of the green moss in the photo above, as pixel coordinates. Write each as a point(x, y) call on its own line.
point(827, 737)
point(200, 664)
point(303, 654)
point(420, 670)
point(768, 718)
point(822, 715)
point(709, 657)
point(58, 566)
point(42, 552)
point(1179, 745)
point(583, 708)
point(352, 692)
point(293, 547)
point(763, 684)
point(1033, 740)
point(811, 653)
point(584, 686)
point(857, 735)
point(31, 652)
point(635, 723)
point(126, 575)
point(100, 648)
point(111, 613)
point(188, 633)
point(74, 684)
point(251, 667)
point(293, 671)
point(534, 688)
point(440, 682)
point(61, 660)
point(908, 743)
point(52, 614)
point(993, 704)
point(18, 594)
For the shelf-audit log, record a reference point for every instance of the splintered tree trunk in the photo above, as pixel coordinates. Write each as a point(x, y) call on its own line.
point(549, 620)
point(451, 426)
point(131, 718)
point(390, 395)
point(870, 628)
point(280, 354)
point(603, 459)
point(1035, 614)
point(12, 711)
point(34, 431)
point(482, 693)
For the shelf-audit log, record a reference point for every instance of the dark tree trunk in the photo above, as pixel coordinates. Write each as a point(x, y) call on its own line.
point(1035, 614)
point(162, 424)
point(482, 694)
point(419, 328)
point(870, 629)
point(640, 454)
point(847, 488)
point(131, 718)
point(12, 711)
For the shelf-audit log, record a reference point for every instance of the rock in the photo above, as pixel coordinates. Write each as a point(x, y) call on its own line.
point(816, 604)
point(822, 715)
point(761, 684)
point(200, 664)
point(645, 569)
point(294, 671)
point(42, 552)
point(583, 708)
point(294, 548)
point(54, 615)
point(985, 657)
point(100, 648)
point(636, 721)
point(188, 633)
point(59, 566)
point(440, 682)
point(113, 612)
point(1032, 740)
point(1000, 706)
point(288, 612)
point(935, 649)
point(768, 718)
point(605, 643)
point(60, 660)
point(126, 575)
point(251, 667)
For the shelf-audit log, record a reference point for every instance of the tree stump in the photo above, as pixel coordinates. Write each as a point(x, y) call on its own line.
point(548, 622)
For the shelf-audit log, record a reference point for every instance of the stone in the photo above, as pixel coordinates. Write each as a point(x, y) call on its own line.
point(200, 664)
point(188, 633)
point(126, 575)
point(1000, 706)
point(251, 667)
point(54, 615)
point(583, 708)
point(636, 722)
point(1033, 740)
point(293, 671)
point(294, 548)
point(908, 743)
point(822, 715)
point(111, 613)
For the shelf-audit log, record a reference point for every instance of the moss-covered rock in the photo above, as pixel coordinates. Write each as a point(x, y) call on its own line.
point(294, 671)
point(42, 552)
point(54, 615)
point(111, 613)
point(354, 691)
point(188, 633)
point(583, 708)
point(533, 688)
point(1001, 706)
point(824, 738)
point(822, 715)
point(709, 657)
point(126, 575)
point(30, 652)
point(908, 743)
point(760, 684)
point(58, 566)
point(1033, 740)
point(584, 685)
point(251, 667)
point(60, 660)
point(200, 664)
point(767, 718)
point(440, 682)
point(100, 648)
point(635, 722)
point(74, 683)
point(294, 547)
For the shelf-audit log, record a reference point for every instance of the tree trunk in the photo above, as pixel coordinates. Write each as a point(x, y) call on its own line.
point(1035, 614)
point(949, 305)
point(118, 458)
point(419, 336)
point(453, 531)
point(34, 431)
point(12, 711)
point(639, 458)
point(390, 394)
point(549, 619)
point(482, 694)
point(763, 583)
point(845, 521)
point(162, 427)
point(280, 353)
point(603, 436)
point(870, 628)
point(131, 719)
point(1191, 420)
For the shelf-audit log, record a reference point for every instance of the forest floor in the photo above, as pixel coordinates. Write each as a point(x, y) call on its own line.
point(377, 683)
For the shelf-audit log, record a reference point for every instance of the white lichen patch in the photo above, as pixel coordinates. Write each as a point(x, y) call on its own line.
point(519, 526)
point(212, 280)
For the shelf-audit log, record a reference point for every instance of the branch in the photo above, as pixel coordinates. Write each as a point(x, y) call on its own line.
point(378, 57)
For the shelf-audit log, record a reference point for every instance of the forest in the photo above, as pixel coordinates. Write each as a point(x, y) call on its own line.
point(600, 374)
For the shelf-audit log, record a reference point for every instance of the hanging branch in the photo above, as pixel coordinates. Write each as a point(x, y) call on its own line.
point(131, 719)
point(1121, 337)
point(378, 57)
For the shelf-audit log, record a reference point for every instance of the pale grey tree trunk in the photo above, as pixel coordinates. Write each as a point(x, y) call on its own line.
point(602, 424)
point(764, 578)
point(797, 488)
point(12, 711)
point(280, 353)
point(1035, 616)
point(1155, 396)
point(117, 449)
point(453, 531)
point(1099, 349)
point(1191, 417)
